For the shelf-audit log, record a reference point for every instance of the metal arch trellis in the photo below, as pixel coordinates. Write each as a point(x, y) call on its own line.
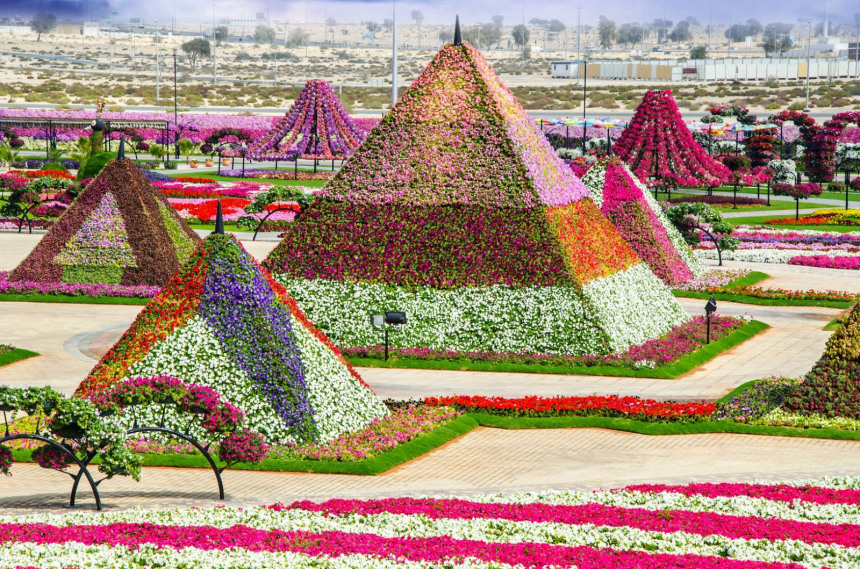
point(62, 447)
point(160, 428)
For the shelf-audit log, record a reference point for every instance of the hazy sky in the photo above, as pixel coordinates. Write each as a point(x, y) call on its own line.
point(722, 11)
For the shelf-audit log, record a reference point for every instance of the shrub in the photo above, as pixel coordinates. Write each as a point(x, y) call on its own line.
point(836, 187)
point(54, 167)
point(95, 164)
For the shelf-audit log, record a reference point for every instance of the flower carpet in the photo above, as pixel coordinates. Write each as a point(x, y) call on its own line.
point(802, 525)
point(793, 246)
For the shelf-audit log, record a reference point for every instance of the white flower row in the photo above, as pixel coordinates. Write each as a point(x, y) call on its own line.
point(814, 555)
point(620, 310)
point(74, 554)
point(769, 255)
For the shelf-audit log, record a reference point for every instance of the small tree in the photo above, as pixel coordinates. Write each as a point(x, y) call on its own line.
point(699, 52)
point(264, 34)
point(521, 36)
point(198, 47)
point(43, 23)
point(606, 32)
point(689, 218)
point(186, 147)
point(220, 35)
point(418, 16)
point(556, 26)
point(798, 192)
point(297, 37)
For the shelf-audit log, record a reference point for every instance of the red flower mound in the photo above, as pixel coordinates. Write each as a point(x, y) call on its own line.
point(658, 146)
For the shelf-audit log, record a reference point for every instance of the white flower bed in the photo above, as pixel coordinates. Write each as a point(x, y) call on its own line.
point(768, 255)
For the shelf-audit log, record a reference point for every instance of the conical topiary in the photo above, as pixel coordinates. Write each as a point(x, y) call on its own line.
point(223, 322)
point(457, 210)
point(120, 230)
point(317, 127)
point(658, 146)
point(641, 221)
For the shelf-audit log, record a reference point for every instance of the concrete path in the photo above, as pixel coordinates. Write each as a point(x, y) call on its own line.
point(482, 461)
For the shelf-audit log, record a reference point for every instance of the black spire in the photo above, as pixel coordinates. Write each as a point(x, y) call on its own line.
point(219, 220)
point(458, 38)
point(121, 154)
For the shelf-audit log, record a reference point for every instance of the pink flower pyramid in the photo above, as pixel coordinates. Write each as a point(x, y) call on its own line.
point(641, 221)
point(658, 146)
point(317, 127)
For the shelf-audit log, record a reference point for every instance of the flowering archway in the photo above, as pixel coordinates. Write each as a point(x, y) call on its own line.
point(822, 167)
point(808, 129)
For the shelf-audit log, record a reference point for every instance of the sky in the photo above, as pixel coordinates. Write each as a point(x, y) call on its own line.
point(721, 12)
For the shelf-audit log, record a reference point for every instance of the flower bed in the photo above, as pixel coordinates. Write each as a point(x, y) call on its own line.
point(278, 174)
point(807, 525)
point(720, 201)
point(590, 406)
point(94, 290)
point(821, 217)
point(826, 262)
point(680, 341)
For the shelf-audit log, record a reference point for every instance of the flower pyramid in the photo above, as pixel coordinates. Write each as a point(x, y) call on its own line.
point(223, 322)
point(641, 221)
point(658, 146)
point(120, 230)
point(457, 211)
point(317, 127)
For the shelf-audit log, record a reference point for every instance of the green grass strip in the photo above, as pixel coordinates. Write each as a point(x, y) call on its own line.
point(736, 391)
point(15, 355)
point(754, 277)
point(682, 366)
point(71, 299)
point(748, 299)
point(832, 326)
point(648, 428)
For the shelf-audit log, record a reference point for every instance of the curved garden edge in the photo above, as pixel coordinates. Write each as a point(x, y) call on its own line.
point(15, 355)
point(69, 299)
point(680, 367)
point(427, 442)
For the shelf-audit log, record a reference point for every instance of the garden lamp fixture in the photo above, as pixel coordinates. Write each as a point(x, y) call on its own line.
point(710, 308)
point(383, 323)
point(175, 107)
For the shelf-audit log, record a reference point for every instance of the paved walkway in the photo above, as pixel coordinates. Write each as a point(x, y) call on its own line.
point(482, 461)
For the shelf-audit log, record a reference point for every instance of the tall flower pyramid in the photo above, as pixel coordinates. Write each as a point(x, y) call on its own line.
point(658, 146)
point(641, 221)
point(223, 322)
point(457, 211)
point(120, 230)
point(316, 127)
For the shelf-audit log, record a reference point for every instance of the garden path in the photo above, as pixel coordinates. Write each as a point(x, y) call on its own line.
point(481, 462)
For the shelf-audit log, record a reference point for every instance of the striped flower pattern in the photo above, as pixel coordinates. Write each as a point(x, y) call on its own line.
point(812, 525)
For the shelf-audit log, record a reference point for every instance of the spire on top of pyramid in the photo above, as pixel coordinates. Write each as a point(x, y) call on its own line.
point(458, 37)
point(219, 220)
point(121, 154)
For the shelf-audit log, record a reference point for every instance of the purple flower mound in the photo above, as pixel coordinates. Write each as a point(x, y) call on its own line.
point(255, 330)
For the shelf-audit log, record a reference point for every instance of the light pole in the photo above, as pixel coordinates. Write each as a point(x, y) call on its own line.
point(394, 54)
point(808, 50)
point(584, 94)
point(157, 64)
point(578, 31)
point(175, 109)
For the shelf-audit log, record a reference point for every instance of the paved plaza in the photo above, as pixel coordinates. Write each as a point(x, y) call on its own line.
point(71, 338)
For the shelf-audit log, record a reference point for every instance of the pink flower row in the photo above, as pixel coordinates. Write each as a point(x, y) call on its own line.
point(334, 544)
point(827, 262)
point(697, 523)
point(773, 492)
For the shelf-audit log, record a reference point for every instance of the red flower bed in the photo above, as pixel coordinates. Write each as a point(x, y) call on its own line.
point(43, 174)
point(193, 180)
point(600, 405)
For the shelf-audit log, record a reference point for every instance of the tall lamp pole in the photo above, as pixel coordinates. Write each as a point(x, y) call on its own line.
point(157, 64)
point(394, 54)
point(175, 109)
point(808, 50)
point(584, 94)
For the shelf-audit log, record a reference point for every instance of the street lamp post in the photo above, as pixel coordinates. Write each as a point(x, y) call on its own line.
point(175, 109)
point(808, 53)
point(157, 64)
point(394, 54)
point(584, 94)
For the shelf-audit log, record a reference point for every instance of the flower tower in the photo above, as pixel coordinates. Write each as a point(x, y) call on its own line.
point(641, 221)
point(457, 211)
point(317, 127)
point(223, 322)
point(120, 230)
point(659, 147)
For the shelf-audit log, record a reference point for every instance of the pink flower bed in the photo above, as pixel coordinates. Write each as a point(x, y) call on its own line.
point(774, 492)
point(826, 262)
point(74, 289)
